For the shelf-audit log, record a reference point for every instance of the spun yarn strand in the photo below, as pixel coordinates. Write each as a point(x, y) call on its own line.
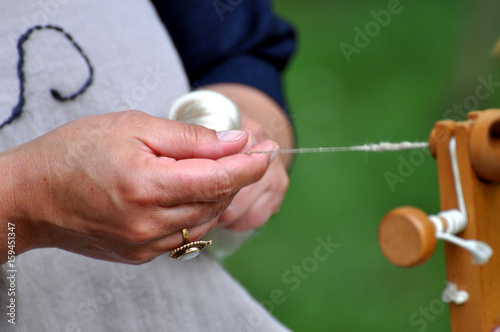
point(372, 147)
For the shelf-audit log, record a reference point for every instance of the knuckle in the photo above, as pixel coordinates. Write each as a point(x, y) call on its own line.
point(193, 134)
point(208, 211)
point(135, 188)
point(133, 196)
point(199, 213)
point(138, 232)
point(222, 186)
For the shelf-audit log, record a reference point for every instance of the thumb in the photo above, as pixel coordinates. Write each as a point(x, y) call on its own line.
point(184, 141)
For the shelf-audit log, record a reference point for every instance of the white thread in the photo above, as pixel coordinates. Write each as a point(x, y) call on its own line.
point(481, 252)
point(452, 294)
point(206, 108)
point(456, 220)
point(456, 177)
point(373, 147)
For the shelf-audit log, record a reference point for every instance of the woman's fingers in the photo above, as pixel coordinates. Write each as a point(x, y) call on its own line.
point(255, 204)
point(204, 180)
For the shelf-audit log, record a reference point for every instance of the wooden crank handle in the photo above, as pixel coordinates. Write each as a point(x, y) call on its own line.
point(407, 236)
point(485, 144)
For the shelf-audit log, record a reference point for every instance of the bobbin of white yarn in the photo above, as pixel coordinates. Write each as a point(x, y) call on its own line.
point(206, 108)
point(456, 223)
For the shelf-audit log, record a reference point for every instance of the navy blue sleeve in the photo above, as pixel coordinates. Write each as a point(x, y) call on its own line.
point(239, 41)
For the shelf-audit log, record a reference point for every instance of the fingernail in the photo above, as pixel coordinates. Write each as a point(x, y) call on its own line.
point(230, 135)
point(274, 154)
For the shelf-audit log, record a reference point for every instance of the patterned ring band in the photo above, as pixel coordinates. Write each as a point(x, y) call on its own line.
point(190, 249)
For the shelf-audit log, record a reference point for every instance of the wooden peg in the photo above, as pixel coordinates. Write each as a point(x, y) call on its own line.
point(406, 236)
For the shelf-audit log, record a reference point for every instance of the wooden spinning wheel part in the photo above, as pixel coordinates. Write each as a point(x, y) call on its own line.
point(406, 236)
point(485, 144)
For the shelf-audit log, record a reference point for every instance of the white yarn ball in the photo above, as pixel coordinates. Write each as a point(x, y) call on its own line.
point(206, 108)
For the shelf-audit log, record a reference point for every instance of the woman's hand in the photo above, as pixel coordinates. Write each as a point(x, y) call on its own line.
point(122, 186)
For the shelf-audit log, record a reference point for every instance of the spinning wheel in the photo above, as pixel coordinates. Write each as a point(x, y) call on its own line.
point(468, 159)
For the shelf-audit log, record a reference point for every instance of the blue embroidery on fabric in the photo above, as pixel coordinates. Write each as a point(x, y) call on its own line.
point(17, 110)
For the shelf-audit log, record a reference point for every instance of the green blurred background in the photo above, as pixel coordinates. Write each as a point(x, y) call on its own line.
point(428, 58)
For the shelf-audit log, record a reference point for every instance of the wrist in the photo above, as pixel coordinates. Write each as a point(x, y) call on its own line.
point(15, 227)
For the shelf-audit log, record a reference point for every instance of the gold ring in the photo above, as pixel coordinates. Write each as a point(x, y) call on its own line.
point(189, 249)
point(185, 235)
